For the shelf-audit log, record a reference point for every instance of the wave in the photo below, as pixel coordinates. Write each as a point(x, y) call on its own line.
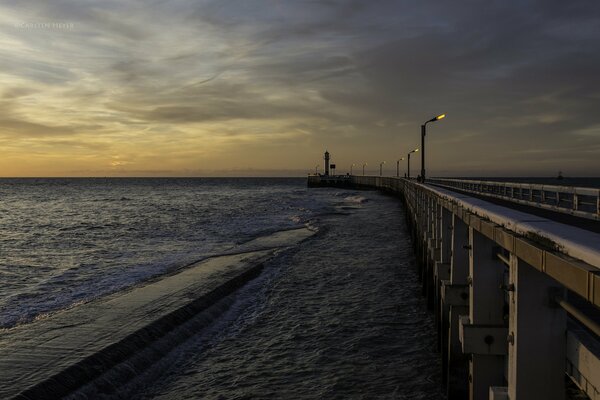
point(356, 199)
point(119, 329)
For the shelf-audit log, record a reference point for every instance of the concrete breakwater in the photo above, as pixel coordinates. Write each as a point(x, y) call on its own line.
point(515, 296)
point(77, 349)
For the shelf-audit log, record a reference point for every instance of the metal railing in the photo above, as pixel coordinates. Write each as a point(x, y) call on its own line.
point(578, 201)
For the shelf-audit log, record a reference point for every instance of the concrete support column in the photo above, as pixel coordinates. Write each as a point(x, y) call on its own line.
point(455, 301)
point(536, 352)
point(483, 333)
point(459, 265)
point(454, 304)
point(446, 235)
point(427, 271)
point(441, 275)
point(434, 272)
point(430, 211)
point(442, 271)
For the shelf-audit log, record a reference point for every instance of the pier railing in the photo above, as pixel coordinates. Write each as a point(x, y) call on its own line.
point(516, 297)
point(579, 201)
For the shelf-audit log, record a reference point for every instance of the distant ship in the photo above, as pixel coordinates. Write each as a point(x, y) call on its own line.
point(560, 176)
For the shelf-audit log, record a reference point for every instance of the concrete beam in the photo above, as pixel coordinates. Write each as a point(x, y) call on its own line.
point(455, 295)
point(583, 362)
point(498, 393)
point(482, 339)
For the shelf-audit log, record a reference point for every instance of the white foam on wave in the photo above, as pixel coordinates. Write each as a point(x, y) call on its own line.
point(106, 246)
point(356, 199)
point(296, 219)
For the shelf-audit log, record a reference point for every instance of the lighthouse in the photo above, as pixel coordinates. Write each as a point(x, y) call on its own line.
point(326, 157)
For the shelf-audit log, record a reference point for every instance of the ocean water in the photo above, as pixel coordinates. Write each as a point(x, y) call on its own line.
point(65, 241)
point(337, 316)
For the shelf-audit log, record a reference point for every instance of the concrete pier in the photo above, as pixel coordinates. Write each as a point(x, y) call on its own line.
point(500, 282)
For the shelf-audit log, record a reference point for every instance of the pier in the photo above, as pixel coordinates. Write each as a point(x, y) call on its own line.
point(516, 296)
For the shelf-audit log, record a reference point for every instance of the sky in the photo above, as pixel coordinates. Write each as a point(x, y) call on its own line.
point(263, 87)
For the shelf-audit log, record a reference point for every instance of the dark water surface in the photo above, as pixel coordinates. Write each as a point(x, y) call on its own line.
point(68, 241)
point(337, 316)
point(341, 316)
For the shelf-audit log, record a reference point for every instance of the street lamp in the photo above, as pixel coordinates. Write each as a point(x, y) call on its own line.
point(423, 132)
point(351, 165)
point(408, 155)
point(381, 168)
point(398, 166)
point(317, 169)
point(364, 168)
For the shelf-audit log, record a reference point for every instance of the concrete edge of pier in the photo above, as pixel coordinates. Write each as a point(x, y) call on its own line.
point(516, 297)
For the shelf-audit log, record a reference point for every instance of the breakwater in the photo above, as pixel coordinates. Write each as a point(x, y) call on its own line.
point(94, 348)
point(515, 296)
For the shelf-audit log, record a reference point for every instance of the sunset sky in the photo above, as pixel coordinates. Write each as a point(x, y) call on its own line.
point(262, 87)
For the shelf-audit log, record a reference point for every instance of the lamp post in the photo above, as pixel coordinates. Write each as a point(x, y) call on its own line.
point(398, 167)
point(423, 132)
point(364, 168)
point(408, 155)
point(351, 165)
point(381, 168)
point(317, 169)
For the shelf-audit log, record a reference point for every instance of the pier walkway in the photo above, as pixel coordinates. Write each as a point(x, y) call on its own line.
point(516, 296)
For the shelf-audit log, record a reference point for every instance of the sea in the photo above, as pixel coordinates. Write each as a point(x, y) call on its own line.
point(338, 315)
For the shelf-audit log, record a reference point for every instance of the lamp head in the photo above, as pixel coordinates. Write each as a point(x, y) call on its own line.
point(441, 116)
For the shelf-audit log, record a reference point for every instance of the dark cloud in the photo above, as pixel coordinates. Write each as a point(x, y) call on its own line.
point(516, 78)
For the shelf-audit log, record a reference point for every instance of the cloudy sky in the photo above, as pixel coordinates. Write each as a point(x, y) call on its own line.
point(262, 87)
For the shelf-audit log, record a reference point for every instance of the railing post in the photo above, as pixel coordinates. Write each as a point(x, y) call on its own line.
point(537, 350)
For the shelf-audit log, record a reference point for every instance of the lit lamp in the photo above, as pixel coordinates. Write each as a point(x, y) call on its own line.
point(408, 155)
point(423, 132)
point(351, 165)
